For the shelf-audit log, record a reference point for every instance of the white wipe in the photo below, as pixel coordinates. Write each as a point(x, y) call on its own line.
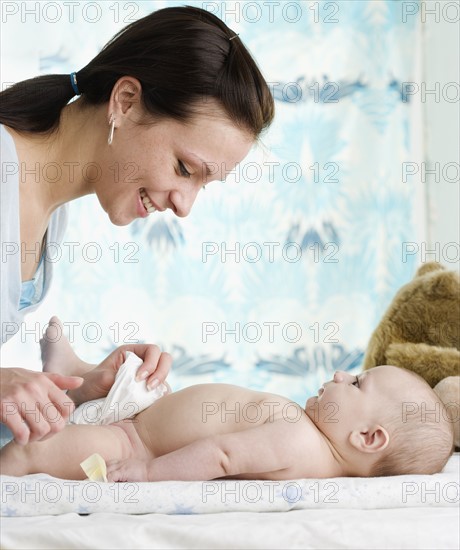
point(125, 399)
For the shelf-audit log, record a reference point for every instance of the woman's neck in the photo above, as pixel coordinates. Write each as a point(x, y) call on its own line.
point(56, 169)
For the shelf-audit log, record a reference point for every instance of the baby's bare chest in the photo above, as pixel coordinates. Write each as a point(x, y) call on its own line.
point(245, 410)
point(222, 408)
point(211, 409)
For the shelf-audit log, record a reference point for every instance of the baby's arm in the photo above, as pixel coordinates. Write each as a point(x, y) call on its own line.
point(266, 448)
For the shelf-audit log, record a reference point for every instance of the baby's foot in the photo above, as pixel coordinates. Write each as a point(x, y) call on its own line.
point(57, 354)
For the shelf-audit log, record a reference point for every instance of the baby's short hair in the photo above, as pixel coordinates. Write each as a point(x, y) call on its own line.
point(421, 434)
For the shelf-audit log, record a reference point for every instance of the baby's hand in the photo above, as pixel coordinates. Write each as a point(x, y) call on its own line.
point(131, 469)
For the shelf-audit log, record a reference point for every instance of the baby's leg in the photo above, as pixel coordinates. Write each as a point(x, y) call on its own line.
point(61, 454)
point(57, 354)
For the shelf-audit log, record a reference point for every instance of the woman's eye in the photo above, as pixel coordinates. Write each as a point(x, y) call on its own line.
point(183, 171)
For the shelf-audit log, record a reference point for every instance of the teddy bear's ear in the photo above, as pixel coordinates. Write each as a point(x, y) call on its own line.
point(445, 286)
point(448, 391)
point(432, 363)
point(428, 267)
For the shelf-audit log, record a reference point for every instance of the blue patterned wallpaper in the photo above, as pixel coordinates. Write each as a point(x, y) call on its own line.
point(280, 274)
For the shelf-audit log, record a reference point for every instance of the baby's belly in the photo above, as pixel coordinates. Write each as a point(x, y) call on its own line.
point(204, 410)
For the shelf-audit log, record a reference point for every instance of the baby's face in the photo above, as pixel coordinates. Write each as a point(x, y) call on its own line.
point(350, 402)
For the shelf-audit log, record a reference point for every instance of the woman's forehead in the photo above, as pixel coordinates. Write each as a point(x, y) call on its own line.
point(215, 144)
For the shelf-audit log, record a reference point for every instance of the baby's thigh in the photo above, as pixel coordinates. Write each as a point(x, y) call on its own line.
point(133, 431)
point(61, 454)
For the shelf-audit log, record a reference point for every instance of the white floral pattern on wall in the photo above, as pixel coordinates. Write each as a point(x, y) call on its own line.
point(316, 217)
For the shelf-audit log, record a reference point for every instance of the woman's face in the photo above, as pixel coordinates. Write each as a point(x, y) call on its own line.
point(168, 161)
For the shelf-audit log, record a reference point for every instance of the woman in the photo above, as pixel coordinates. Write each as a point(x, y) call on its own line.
point(173, 101)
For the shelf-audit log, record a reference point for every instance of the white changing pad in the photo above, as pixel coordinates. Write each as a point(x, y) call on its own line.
point(41, 494)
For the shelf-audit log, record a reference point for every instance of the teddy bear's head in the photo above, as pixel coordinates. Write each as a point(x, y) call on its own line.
point(420, 331)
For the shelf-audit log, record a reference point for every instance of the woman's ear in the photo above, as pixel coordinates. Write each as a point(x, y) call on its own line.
point(126, 93)
point(372, 440)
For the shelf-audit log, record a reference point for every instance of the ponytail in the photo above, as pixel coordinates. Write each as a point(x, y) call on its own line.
point(182, 56)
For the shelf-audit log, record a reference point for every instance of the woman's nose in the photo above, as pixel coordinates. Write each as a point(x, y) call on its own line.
point(183, 201)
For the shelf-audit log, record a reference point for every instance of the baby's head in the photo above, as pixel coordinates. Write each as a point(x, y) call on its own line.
point(385, 421)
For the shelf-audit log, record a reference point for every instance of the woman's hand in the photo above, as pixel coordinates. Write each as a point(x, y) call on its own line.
point(33, 404)
point(97, 382)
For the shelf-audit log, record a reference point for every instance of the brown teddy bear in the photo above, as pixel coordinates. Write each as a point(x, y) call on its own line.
point(420, 331)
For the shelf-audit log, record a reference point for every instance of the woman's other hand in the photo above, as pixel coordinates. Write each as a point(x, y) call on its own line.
point(97, 382)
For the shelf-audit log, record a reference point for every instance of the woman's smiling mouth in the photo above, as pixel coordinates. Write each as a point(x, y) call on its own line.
point(146, 201)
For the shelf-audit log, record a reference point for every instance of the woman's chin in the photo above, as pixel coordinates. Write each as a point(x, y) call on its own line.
point(120, 219)
point(121, 223)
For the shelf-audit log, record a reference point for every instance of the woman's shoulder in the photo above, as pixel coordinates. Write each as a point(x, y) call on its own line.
point(9, 186)
point(7, 147)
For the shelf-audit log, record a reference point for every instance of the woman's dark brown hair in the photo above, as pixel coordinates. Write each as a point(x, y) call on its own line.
point(182, 56)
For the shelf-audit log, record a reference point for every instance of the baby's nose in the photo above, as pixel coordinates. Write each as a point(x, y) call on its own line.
point(341, 376)
point(338, 376)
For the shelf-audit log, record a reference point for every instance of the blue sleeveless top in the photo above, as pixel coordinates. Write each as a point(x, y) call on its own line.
point(32, 291)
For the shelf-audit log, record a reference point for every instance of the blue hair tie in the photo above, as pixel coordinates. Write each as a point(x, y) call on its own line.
point(73, 81)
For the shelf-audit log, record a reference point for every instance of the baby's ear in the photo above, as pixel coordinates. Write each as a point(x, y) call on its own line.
point(373, 440)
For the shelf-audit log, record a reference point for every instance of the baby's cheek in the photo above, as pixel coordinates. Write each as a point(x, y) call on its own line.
point(329, 415)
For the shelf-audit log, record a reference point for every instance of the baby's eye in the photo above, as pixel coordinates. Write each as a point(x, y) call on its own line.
point(183, 171)
point(356, 382)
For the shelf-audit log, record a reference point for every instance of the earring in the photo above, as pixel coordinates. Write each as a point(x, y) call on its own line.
point(112, 128)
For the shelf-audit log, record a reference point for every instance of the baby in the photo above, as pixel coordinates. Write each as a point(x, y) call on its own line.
point(385, 421)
